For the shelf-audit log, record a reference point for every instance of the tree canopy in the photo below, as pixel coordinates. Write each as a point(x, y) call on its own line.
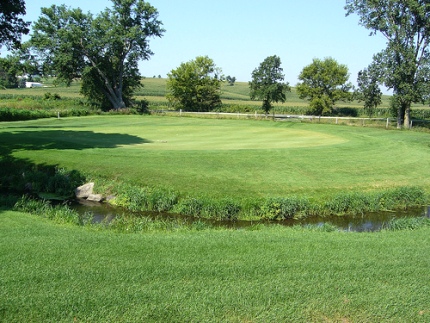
point(104, 50)
point(11, 25)
point(9, 69)
point(323, 83)
point(404, 65)
point(195, 85)
point(267, 85)
point(368, 90)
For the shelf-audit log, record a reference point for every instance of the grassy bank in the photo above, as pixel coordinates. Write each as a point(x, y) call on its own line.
point(223, 168)
point(59, 273)
point(225, 158)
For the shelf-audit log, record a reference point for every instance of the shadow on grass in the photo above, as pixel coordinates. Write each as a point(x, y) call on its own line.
point(21, 176)
point(63, 139)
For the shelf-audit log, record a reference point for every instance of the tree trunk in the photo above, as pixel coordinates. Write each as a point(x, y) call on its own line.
point(399, 116)
point(407, 118)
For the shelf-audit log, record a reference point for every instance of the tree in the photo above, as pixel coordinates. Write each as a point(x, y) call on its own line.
point(103, 51)
point(8, 77)
point(405, 62)
point(368, 90)
point(195, 85)
point(230, 80)
point(324, 82)
point(11, 26)
point(10, 67)
point(267, 83)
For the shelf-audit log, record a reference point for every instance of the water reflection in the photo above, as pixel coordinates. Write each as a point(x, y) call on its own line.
point(366, 223)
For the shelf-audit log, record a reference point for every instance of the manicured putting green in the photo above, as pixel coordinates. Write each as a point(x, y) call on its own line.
point(213, 135)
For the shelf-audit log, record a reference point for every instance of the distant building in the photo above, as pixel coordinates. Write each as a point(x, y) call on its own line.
point(33, 84)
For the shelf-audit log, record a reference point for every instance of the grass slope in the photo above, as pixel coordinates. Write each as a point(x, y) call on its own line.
point(226, 158)
point(58, 273)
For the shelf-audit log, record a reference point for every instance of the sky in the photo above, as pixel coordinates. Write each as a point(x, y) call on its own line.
point(239, 34)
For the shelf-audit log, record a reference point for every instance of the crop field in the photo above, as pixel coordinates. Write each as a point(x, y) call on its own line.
point(226, 158)
point(154, 90)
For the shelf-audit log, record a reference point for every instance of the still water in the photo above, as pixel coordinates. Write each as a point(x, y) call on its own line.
point(367, 222)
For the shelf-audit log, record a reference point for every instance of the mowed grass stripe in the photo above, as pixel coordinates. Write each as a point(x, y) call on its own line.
point(234, 158)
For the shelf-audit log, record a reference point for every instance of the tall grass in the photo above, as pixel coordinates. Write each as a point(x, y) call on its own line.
point(136, 198)
point(61, 214)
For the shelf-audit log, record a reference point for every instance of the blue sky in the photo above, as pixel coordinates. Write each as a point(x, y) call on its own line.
point(238, 35)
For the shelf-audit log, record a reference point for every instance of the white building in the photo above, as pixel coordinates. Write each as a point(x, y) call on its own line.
point(33, 84)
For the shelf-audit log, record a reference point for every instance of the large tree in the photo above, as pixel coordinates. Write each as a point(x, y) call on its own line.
point(404, 64)
point(11, 25)
point(104, 50)
point(267, 85)
point(323, 83)
point(195, 85)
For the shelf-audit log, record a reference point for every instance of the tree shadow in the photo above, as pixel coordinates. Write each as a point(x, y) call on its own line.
point(19, 175)
point(63, 139)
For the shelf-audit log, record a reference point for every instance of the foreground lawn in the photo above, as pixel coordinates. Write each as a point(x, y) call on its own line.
point(225, 158)
point(57, 273)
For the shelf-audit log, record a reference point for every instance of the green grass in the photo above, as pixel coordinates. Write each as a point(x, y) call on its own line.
point(226, 158)
point(61, 273)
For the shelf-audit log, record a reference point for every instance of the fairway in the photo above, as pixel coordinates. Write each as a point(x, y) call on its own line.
point(225, 158)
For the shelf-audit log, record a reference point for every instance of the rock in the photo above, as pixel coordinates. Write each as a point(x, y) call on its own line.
point(84, 191)
point(95, 197)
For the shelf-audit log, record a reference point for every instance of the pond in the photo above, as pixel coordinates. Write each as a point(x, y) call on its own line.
point(367, 222)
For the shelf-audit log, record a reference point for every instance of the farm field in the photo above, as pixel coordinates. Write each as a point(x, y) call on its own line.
point(154, 90)
point(225, 158)
point(61, 273)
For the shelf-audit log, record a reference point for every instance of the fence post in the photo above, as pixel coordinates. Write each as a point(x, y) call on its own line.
point(180, 112)
point(58, 115)
point(388, 121)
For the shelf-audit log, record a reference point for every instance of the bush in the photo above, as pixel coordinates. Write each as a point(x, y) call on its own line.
point(49, 96)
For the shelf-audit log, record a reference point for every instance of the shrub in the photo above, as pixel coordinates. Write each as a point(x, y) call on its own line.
point(49, 96)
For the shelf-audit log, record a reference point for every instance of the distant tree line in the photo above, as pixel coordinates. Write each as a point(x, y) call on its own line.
point(103, 52)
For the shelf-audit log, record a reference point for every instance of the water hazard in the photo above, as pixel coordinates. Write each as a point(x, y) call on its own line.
point(365, 223)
